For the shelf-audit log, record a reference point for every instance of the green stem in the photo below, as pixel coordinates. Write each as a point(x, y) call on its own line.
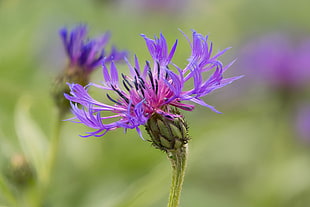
point(45, 178)
point(178, 160)
point(53, 150)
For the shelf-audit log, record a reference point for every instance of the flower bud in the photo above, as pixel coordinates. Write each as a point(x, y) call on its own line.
point(167, 134)
point(20, 172)
point(72, 74)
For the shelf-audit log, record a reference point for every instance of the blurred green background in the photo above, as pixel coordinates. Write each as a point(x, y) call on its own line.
point(249, 156)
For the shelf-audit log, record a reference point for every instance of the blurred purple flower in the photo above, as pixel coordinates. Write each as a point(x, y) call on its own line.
point(84, 53)
point(278, 60)
point(84, 56)
point(152, 88)
point(303, 122)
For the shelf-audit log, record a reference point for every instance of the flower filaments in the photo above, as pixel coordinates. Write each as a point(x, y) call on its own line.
point(151, 90)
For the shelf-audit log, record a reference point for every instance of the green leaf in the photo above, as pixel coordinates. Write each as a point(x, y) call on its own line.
point(6, 191)
point(32, 139)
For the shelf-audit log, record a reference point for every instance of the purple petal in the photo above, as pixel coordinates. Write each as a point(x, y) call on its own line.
point(106, 73)
point(114, 74)
point(172, 51)
point(201, 102)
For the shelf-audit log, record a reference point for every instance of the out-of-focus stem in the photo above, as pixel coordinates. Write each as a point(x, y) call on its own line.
point(53, 149)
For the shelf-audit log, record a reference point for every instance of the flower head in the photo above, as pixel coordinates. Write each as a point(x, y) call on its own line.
point(151, 88)
point(84, 56)
point(84, 53)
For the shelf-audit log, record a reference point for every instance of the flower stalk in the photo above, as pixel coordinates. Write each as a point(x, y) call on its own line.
point(171, 136)
point(178, 159)
point(53, 150)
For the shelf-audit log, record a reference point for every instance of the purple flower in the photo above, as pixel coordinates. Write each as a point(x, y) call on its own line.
point(279, 60)
point(84, 56)
point(151, 88)
point(84, 53)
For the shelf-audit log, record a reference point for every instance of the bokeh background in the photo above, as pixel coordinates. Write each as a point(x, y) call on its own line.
point(257, 153)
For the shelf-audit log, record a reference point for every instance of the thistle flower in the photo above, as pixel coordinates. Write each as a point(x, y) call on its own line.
point(84, 56)
point(151, 89)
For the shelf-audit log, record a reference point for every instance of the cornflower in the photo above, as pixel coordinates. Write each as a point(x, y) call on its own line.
point(152, 89)
point(84, 56)
point(151, 96)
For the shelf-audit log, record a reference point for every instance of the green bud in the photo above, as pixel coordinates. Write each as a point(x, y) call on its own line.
point(20, 172)
point(167, 134)
point(69, 75)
